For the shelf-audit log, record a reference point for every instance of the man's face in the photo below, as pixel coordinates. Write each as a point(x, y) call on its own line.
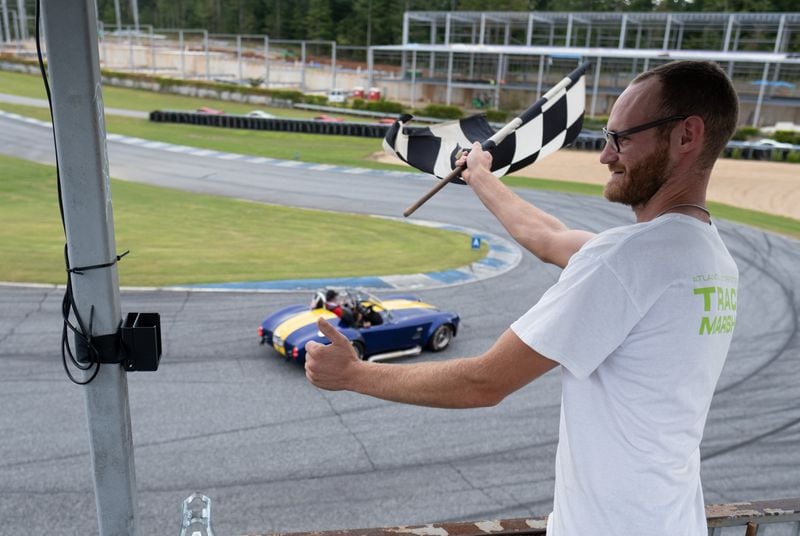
point(642, 164)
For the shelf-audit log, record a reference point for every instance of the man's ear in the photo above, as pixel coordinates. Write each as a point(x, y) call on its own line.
point(692, 134)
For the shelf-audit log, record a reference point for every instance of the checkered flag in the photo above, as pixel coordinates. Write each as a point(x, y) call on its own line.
point(553, 122)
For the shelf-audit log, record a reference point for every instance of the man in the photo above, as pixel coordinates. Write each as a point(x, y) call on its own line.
point(639, 322)
point(337, 307)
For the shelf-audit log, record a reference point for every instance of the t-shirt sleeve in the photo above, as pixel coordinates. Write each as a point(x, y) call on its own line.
point(581, 319)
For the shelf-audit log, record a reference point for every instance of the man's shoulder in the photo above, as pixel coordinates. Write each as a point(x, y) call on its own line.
point(663, 248)
point(648, 238)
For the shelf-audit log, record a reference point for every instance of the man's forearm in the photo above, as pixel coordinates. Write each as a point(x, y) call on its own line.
point(458, 383)
point(468, 382)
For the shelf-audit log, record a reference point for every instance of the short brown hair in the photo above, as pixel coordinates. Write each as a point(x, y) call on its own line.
point(699, 88)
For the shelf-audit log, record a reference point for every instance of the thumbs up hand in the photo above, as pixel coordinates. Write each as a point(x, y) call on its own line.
point(331, 366)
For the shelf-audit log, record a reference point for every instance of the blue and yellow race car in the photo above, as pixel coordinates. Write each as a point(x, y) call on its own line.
point(379, 329)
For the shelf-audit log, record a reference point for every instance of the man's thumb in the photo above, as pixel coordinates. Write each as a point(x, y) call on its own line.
point(331, 332)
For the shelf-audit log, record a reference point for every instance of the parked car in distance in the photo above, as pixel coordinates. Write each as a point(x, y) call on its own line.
point(769, 142)
point(337, 96)
point(261, 114)
point(379, 329)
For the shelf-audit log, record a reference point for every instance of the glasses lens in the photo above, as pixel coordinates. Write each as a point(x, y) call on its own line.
point(609, 138)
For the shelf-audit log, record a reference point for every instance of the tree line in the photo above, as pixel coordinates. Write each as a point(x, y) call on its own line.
point(373, 22)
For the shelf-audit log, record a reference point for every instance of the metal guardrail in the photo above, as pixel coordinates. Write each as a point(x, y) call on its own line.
point(367, 130)
point(751, 516)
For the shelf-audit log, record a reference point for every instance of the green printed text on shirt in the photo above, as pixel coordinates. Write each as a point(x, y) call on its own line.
point(719, 308)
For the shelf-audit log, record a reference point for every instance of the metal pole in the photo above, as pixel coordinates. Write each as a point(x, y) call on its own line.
point(779, 35)
point(153, 50)
point(6, 27)
point(432, 58)
point(239, 59)
point(369, 67)
point(541, 75)
point(529, 30)
point(569, 31)
point(118, 15)
point(135, 11)
point(333, 64)
point(303, 66)
point(79, 128)
point(472, 56)
point(23, 19)
point(17, 34)
point(449, 99)
point(266, 62)
point(761, 88)
point(183, 54)
point(778, 45)
point(208, 59)
point(728, 32)
point(500, 60)
point(413, 78)
point(597, 67)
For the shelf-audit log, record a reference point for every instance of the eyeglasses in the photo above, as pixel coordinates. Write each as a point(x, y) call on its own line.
point(610, 134)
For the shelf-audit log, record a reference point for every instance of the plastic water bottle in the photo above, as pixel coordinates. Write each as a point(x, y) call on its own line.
point(196, 517)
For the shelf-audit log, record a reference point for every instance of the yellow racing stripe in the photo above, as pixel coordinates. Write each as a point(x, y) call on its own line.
point(394, 305)
point(301, 320)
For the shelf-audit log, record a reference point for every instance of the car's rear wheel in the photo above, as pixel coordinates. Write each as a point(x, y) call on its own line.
point(441, 338)
point(359, 348)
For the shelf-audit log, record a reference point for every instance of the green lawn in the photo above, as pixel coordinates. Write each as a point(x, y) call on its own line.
point(182, 238)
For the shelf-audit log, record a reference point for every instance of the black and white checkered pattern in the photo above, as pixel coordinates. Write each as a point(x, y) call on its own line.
point(543, 131)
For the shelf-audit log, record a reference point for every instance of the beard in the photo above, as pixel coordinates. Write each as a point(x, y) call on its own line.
point(641, 181)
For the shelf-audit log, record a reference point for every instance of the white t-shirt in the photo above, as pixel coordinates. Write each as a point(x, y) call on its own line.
point(640, 320)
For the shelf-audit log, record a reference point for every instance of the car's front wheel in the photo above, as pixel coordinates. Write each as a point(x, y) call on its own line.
point(359, 348)
point(441, 338)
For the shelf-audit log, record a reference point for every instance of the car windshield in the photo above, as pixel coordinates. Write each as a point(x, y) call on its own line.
point(360, 296)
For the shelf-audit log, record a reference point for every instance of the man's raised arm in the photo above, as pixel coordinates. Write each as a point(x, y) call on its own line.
point(537, 231)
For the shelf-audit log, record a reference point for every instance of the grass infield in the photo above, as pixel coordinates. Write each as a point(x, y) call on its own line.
point(177, 237)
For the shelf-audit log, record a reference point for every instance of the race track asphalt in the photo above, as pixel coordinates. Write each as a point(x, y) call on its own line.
point(226, 417)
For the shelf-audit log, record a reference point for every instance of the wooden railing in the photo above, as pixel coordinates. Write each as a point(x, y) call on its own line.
point(751, 516)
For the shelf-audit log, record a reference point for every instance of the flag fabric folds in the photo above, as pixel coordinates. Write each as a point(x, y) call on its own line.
point(543, 129)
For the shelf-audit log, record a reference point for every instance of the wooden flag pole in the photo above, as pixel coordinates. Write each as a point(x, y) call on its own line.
point(501, 134)
point(438, 186)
